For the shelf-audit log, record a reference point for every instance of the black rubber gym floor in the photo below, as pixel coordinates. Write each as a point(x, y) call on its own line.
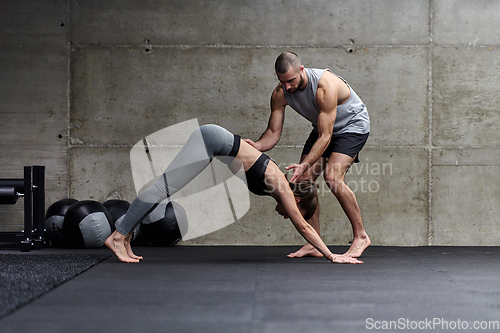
point(257, 289)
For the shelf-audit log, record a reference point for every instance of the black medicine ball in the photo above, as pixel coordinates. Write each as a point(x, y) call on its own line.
point(160, 227)
point(54, 218)
point(117, 208)
point(87, 224)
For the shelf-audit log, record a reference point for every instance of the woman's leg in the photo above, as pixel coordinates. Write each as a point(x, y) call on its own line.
point(204, 143)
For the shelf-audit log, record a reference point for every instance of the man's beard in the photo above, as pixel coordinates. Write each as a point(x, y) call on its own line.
point(301, 82)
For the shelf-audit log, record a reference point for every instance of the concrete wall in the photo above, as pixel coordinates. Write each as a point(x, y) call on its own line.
point(82, 81)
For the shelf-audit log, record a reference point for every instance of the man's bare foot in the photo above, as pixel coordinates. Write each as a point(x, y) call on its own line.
point(359, 244)
point(128, 247)
point(306, 251)
point(343, 259)
point(116, 243)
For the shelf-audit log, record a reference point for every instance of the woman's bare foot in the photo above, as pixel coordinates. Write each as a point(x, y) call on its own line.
point(116, 243)
point(128, 247)
point(306, 251)
point(359, 244)
point(344, 259)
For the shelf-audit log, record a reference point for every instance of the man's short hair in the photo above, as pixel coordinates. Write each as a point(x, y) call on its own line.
point(285, 61)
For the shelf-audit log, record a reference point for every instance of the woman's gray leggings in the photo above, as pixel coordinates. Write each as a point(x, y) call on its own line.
point(204, 143)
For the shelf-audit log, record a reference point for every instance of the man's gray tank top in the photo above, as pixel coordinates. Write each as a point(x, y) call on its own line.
point(352, 116)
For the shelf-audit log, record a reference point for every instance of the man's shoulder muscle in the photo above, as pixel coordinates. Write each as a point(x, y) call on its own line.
point(332, 84)
point(278, 96)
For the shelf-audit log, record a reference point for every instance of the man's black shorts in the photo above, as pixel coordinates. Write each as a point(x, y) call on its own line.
point(347, 143)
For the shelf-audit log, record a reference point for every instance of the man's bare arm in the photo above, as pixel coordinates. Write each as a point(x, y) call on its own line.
point(326, 98)
point(272, 134)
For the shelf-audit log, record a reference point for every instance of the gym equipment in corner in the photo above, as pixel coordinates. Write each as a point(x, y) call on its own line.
point(32, 189)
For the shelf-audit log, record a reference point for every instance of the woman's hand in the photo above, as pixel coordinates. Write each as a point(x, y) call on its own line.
point(343, 259)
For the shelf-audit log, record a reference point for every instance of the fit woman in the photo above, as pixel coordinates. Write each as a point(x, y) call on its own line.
point(294, 201)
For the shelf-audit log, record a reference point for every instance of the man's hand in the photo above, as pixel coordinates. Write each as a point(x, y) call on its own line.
point(298, 170)
point(251, 143)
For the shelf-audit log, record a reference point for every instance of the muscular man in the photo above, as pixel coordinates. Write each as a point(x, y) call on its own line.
point(341, 126)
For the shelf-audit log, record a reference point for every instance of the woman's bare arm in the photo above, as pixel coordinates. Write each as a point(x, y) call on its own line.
point(281, 191)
